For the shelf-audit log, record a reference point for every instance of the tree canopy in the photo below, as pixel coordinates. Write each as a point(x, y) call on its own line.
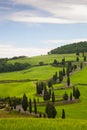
point(70, 48)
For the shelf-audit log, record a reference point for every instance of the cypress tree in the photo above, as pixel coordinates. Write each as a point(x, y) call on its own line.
point(24, 102)
point(50, 83)
point(77, 59)
point(64, 72)
point(74, 92)
point(84, 58)
point(60, 76)
point(77, 93)
point(81, 65)
point(46, 95)
point(68, 81)
point(53, 97)
point(35, 107)
point(30, 105)
point(67, 71)
point(14, 103)
point(65, 96)
point(63, 114)
point(50, 110)
point(70, 96)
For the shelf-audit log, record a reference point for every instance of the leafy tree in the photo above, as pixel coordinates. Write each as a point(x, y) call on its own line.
point(65, 96)
point(30, 106)
point(63, 114)
point(53, 97)
point(50, 110)
point(24, 102)
point(41, 63)
point(68, 81)
point(71, 48)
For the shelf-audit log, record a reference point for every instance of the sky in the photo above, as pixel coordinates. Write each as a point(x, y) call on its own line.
point(34, 27)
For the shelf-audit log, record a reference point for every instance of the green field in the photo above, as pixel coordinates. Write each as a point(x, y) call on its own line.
point(42, 124)
point(76, 114)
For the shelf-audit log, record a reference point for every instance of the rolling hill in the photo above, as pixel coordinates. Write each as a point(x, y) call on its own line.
point(70, 48)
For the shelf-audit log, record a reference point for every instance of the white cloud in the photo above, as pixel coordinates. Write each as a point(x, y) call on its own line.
point(61, 42)
point(10, 51)
point(63, 11)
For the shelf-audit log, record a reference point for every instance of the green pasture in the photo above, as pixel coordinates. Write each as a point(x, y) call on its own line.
point(38, 73)
point(47, 59)
point(42, 124)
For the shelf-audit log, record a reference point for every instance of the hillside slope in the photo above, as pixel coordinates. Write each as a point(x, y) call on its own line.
point(70, 48)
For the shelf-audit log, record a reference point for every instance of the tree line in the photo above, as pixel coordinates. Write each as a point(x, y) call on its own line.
point(70, 48)
point(9, 67)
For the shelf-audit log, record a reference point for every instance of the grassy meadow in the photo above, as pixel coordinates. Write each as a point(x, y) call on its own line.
point(42, 124)
point(76, 114)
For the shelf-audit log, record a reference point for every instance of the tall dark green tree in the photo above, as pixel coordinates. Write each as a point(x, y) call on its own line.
point(84, 58)
point(65, 96)
point(74, 92)
point(77, 93)
point(71, 96)
point(50, 83)
point(14, 103)
point(60, 76)
point(30, 105)
point(77, 59)
point(67, 71)
point(64, 73)
point(81, 65)
point(35, 107)
point(46, 95)
point(68, 81)
point(53, 97)
point(50, 110)
point(63, 114)
point(24, 102)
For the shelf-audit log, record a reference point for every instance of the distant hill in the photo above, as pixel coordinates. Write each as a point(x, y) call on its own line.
point(70, 48)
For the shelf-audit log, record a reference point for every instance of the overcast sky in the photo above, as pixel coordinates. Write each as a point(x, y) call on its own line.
point(33, 27)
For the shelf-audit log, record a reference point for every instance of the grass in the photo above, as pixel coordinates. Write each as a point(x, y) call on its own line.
point(43, 73)
point(76, 114)
point(42, 124)
point(39, 73)
point(47, 58)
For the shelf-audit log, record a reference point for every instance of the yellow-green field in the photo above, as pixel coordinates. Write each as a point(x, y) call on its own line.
point(76, 114)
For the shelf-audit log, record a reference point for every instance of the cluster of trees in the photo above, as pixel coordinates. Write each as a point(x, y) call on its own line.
point(41, 89)
point(70, 48)
point(8, 67)
point(57, 63)
point(75, 94)
point(51, 111)
point(26, 104)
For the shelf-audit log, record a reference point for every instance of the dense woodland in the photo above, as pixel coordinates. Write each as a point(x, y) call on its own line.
point(9, 67)
point(71, 48)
